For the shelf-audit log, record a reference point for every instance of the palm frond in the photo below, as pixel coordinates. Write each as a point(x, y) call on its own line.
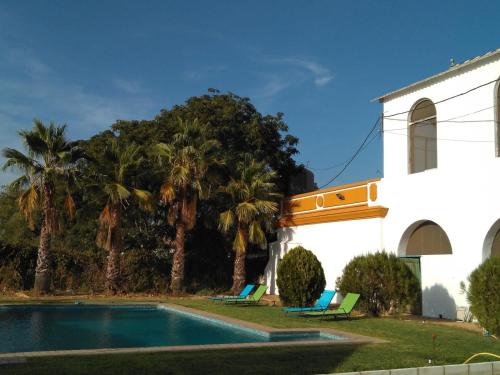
point(240, 241)
point(144, 198)
point(167, 192)
point(28, 202)
point(256, 235)
point(246, 212)
point(226, 221)
point(16, 159)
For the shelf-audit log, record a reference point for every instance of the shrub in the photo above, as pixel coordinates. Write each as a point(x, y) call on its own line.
point(484, 294)
point(385, 282)
point(301, 279)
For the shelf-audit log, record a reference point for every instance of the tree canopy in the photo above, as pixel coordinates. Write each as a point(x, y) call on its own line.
point(229, 121)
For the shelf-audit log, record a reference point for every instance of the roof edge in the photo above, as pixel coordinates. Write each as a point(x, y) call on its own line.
point(454, 69)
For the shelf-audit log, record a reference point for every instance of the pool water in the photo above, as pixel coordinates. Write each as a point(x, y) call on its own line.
point(39, 328)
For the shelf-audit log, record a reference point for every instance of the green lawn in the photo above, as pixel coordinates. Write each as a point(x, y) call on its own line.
point(410, 344)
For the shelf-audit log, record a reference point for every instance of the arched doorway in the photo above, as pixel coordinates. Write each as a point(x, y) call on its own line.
point(421, 247)
point(491, 246)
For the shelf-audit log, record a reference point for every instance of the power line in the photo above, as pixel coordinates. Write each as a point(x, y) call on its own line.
point(442, 139)
point(446, 99)
point(356, 153)
point(366, 142)
point(427, 123)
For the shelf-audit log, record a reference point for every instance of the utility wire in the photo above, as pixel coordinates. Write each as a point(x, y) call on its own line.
point(356, 153)
point(366, 142)
point(442, 139)
point(446, 99)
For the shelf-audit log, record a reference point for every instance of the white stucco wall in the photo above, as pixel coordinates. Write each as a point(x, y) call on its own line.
point(461, 194)
point(334, 244)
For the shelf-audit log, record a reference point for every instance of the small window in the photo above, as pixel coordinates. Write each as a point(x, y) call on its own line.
point(422, 137)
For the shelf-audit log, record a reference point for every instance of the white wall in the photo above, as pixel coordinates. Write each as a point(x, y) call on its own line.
point(334, 244)
point(461, 195)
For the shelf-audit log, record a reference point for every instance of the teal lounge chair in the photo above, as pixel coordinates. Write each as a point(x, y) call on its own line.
point(344, 309)
point(243, 294)
point(321, 304)
point(250, 300)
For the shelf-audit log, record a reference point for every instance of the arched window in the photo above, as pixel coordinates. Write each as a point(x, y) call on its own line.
point(422, 137)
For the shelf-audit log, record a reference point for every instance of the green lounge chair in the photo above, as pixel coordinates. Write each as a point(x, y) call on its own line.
point(250, 300)
point(243, 294)
point(344, 309)
point(321, 304)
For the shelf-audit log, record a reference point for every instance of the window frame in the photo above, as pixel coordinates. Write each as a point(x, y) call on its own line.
point(411, 132)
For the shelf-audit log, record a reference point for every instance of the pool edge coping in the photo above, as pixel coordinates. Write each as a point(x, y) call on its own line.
point(350, 339)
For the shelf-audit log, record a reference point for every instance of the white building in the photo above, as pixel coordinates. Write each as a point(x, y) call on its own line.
point(439, 199)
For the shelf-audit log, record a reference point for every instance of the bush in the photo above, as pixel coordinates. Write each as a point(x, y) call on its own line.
point(484, 294)
point(385, 282)
point(301, 279)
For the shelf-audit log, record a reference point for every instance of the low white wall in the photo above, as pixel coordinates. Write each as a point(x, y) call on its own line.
point(485, 368)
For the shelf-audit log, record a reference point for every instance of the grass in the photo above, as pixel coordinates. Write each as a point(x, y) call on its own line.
point(410, 344)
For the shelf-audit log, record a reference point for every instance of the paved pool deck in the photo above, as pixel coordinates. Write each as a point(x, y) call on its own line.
point(347, 339)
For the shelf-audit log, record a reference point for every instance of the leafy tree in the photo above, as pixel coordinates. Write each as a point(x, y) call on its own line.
point(114, 181)
point(188, 159)
point(233, 121)
point(48, 168)
point(301, 278)
point(252, 197)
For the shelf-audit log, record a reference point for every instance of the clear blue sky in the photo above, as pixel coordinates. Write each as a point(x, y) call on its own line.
point(88, 63)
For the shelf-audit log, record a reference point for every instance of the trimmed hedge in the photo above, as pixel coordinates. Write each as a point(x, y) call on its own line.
point(301, 279)
point(385, 282)
point(484, 294)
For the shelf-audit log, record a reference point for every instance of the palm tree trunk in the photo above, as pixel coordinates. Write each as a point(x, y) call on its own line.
point(114, 246)
point(42, 271)
point(177, 276)
point(239, 272)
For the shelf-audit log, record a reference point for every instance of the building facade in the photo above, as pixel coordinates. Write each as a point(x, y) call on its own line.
point(438, 204)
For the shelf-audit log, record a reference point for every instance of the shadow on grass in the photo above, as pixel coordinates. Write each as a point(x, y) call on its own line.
point(277, 360)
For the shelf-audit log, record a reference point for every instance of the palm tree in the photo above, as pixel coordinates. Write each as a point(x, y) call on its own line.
point(189, 159)
point(114, 168)
point(253, 197)
point(48, 167)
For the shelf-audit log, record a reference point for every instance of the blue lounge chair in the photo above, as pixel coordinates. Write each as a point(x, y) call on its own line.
point(321, 304)
point(243, 294)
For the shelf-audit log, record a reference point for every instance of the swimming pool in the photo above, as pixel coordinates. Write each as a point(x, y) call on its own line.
point(28, 328)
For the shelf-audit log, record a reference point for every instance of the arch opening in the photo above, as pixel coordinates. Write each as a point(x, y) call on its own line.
point(424, 237)
point(491, 246)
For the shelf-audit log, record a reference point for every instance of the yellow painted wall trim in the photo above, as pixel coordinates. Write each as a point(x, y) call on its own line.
point(334, 214)
point(335, 188)
point(373, 192)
